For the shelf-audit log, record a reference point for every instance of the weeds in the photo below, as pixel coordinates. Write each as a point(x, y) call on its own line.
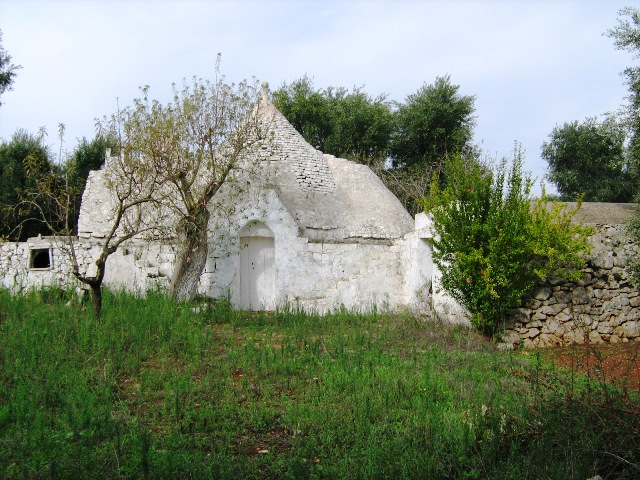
point(158, 389)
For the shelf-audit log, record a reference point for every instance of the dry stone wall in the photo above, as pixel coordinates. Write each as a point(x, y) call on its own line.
point(20, 270)
point(603, 307)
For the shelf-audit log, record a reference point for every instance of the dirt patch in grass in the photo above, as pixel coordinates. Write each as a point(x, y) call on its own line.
point(618, 363)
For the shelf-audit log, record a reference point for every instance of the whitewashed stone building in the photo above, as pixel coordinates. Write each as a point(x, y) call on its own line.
point(314, 232)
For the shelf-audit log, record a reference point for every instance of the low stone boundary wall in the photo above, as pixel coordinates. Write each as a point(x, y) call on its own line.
point(603, 307)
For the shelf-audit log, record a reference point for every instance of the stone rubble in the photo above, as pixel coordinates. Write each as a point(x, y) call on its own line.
point(604, 306)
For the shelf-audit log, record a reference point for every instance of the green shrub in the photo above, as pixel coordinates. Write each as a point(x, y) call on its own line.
point(494, 242)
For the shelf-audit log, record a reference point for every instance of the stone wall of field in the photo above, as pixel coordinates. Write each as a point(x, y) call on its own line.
point(20, 269)
point(603, 307)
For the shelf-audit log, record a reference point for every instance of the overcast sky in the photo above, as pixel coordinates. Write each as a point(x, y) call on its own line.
point(531, 64)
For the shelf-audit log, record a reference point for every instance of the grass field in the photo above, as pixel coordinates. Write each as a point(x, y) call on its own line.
point(157, 389)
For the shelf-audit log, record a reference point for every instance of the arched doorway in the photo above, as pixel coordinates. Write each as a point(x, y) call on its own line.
point(257, 267)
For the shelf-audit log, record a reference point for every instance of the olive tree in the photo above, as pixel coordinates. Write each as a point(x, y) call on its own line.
point(579, 152)
point(434, 122)
point(626, 36)
point(23, 159)
point(348, 124)
point(192, 148)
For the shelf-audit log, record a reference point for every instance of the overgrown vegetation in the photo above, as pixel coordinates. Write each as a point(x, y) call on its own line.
point(494, 242)
point(633, 229)
point(159, 389)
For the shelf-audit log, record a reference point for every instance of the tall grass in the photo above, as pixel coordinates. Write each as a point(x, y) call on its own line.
point(157, 389)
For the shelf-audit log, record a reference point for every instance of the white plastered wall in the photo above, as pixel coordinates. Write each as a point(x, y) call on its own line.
point(322, 276)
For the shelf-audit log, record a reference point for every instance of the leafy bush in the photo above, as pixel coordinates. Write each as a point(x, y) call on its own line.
point(494, 242)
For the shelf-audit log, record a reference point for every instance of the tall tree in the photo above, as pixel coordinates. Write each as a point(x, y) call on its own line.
point(22, 159)
point(626, 36)
point(433, 123)
point(7, 70)
point(589, 159)
point(347, 124)
point(193, 146)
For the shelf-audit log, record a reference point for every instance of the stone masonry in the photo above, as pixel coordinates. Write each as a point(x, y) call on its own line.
point(603, 307)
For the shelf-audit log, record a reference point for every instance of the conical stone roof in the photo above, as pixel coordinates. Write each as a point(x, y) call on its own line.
point(332, 199)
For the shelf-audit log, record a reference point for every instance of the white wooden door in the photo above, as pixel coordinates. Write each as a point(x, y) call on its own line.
point(257, 274)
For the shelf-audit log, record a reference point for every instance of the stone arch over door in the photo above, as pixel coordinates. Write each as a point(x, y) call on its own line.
point(257, 267)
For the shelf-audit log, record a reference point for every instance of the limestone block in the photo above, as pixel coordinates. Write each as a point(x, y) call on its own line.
point(605, 329)
point(553, 309)
point(553, 326)
point(563, 297)
point(594, 337)
point(510, 337)
point(564, 316)
point(520, 314)
point(545, 340)
point(534, 324)
point(614, 339)
point(574, 336)
point(533, 333)
point(539, 316)
point(580, 296)
point(584, 320)
point(631, 329)
point(600, 284)
point(633, 314)
point(586, 279)
point(620, 301)
point(604, 262)
point(542, 293)
point(582, 308)
point(605, 317)
point(532, 303)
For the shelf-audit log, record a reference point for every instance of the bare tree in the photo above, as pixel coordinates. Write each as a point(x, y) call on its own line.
point(192, 148)
point(131, 189)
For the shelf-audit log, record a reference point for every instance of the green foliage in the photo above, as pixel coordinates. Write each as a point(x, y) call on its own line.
point(184, 152)
point(157, 391)
point(347, 124)
point(434, 122)
point(627, 37)
point(87, 156)
point(22, 160)
point(578, 153)
point(493, 243)
point(7, 70)
point(633, 229)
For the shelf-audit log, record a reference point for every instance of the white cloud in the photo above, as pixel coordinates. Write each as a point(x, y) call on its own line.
point(531, 64)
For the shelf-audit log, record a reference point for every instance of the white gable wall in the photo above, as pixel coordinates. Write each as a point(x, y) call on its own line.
point(320, 276)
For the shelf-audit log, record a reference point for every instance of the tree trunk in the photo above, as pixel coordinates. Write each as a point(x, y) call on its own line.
point(96, 297)
point(191, 258)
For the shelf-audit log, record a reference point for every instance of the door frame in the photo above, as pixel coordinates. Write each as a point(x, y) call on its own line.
point(255, 229)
